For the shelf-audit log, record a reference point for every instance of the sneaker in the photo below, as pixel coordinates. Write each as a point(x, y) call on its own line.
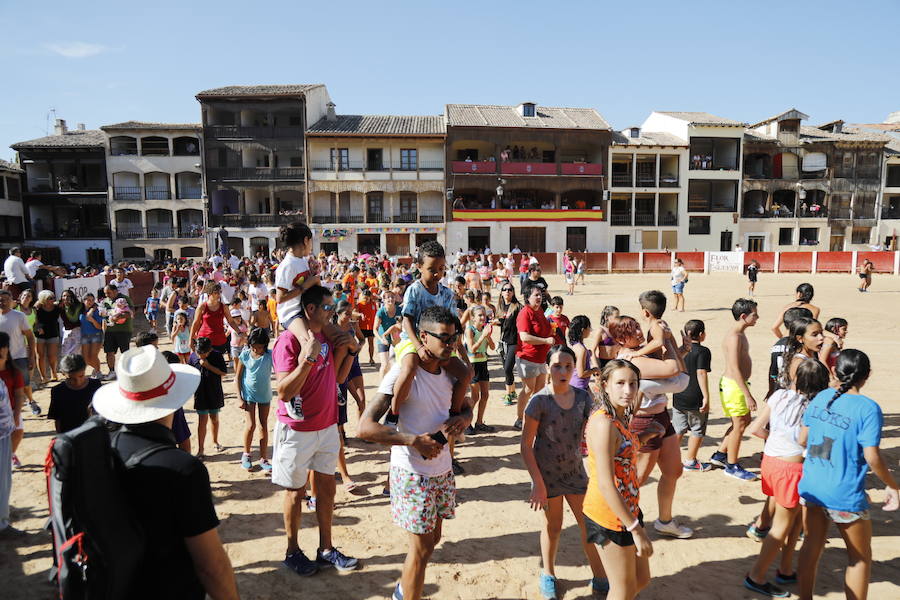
point(16, 463)
point(470, 430)
point(398, 593)
point(334, 558)
point(457, 468)
point(599, 586)
point(518, 424)
point(719, 459)
point(696, 465)
point(739, 472)
point(299, 564)
point(265, 464)
point(547, 585)
point(246, 462)
point(673, 529)
point(783, 579)
point(111, 376)
point(756, 534)
point(482, 428)
point(766, 589)
point(311, 503)
point(35, 408)
point(509, 399)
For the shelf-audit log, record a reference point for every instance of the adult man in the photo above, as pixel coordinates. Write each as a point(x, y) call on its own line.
point(534, 278)
point(22, 351)
point(216, 259)
point(16, 273)
point(423, 491)
point(306, 433)
point(233, 261)
point(123, 284)
point(168, 491)
point(116, 336)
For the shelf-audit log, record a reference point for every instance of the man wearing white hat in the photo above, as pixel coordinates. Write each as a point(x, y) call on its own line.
point(169, 490)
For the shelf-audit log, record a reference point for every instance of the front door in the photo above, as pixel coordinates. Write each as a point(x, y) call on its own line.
point(725, 241)
point(837, 243)
point(623, 243)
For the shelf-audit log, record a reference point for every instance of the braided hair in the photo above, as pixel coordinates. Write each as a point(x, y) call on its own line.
point(576, 328)
point(795, 343)
point(852, 368)
point(603, 400)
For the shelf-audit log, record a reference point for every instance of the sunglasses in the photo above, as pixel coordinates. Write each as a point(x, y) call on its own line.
point(506, 290)
point(327, 307)
point(445, 338)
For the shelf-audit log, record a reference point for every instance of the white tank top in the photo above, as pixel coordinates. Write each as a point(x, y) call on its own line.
point(785, 419)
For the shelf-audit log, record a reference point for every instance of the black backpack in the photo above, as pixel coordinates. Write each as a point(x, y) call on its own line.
point(98, 542)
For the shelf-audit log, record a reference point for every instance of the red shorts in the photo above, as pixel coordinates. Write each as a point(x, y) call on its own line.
point(780, 479)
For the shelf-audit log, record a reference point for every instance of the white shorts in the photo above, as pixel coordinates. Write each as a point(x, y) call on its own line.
point(298, 452)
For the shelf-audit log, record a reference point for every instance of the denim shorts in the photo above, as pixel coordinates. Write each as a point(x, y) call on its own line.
point(92, 338)
point(678, 288)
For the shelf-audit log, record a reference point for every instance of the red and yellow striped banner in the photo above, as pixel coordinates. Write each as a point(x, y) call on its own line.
point(492, 214)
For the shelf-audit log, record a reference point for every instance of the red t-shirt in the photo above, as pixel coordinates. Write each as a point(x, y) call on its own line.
point(13, 380)
point(559, 325)
point(533, 322)
point(523, 264)
point(319, 391)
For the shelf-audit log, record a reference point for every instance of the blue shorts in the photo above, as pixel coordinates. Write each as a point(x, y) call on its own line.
point(211, 411)
point(92, 338)
point(678, 288)
point(382, 347)
point(151, 315)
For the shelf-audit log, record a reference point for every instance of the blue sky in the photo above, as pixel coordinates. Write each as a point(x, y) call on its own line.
point(101, 62)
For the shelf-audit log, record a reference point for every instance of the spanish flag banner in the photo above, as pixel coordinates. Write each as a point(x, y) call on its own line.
point(489, 214)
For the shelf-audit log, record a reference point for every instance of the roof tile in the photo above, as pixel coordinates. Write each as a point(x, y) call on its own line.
point(89, 138)
point(702, 118)
point(546, 117)
point(380, 125)
point(155, 126)
point(259, 90)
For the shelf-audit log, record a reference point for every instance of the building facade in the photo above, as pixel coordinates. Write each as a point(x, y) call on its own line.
point(527, 177)
point(65, 197)
point(376, 183)
point(12, 227)
point(254, 160)
point(155, 190)
point(889, 197)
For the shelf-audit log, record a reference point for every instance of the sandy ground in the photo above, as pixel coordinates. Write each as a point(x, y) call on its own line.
point(491, 549)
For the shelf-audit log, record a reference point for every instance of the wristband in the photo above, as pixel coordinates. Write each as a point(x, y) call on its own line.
point(633, 526)
point(311, 361)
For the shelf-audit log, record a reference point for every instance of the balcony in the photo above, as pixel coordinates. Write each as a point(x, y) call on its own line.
point(594, 169)
point(76, 232)
point(249, 221)
point(622, 180)
point(440, 218)
point(669, 220)
point(405, 218)
point(158, 192)
point(527, 168)
point(158, 233)
point(620, 219)
point(190, 193)
point(127, 194)
point(257, 173)
point(647, 219)
point(237, 132)
point(476, 167)
point(377, 217)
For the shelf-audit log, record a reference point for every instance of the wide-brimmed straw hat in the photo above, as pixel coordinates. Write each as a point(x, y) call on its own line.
point(147, 387)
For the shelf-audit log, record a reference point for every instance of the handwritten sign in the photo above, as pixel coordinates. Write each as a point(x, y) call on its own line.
point(79, 285)
point(726, 262)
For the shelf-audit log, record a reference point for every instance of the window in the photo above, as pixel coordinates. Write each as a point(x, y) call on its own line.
point(191, 251)
point(698, 225)
point(2, 187)
point(154, 146)
point(409, 159)
point(528, 109)
point(186, 146)
point(296, 161)
point(809, 236)
point(861, 235)
point(576, 239)
point(785, 236)
point(123, 145)
point(864, 206)
point(375, 207)
point(408, 207)
point(13, 189)
point(340, 158)
point(479, 238)
point(712, 196)
point(709, 154)
point(467, 154)
point(11, 228)
point(133, 252)
point(96, 256)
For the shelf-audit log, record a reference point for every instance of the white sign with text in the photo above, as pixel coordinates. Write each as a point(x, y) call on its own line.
point(726, 262)
point(79, 285)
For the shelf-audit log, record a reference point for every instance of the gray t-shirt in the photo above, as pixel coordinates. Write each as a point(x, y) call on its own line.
point(557, 445)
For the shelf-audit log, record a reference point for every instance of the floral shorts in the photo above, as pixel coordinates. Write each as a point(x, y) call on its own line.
point(417, 501)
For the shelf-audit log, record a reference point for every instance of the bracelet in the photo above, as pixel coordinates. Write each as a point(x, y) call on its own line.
point(353, 353)
point(633, 526)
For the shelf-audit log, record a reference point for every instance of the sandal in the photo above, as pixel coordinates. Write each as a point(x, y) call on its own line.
point(219, 447)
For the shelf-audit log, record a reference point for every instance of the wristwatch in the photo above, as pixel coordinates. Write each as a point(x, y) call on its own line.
point(311, 360)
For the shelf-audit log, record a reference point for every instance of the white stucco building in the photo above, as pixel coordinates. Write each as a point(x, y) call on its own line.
point(12, 228)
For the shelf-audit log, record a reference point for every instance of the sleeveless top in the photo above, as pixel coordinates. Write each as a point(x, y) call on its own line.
point(595, 506)
point(606, 341)
point(212, 325)
point(582, 382)
point(182, 342)
point(478, 354)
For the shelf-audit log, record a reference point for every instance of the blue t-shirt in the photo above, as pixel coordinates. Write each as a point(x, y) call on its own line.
point(417, 298)
point(834, 471)
point(87, 328)
point(256, 380)
point(387, 321)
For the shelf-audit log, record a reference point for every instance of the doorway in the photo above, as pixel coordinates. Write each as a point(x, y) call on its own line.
point(529, 239)
point(576, 239)
point(328, 247)
point(374, 159)
point(421, 238)
point(725, 241)
point(479, 238)
point(368, 243)
point(837, 243)
point(756, 243)
point(623, 243)
point(397, 244)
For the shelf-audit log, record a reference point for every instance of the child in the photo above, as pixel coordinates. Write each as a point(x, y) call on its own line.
point(653, 305)
point(559, 323)
point(185, 308)
point(70, 401)
point(252, 378)
point(209, 397)
point(835, 332)
point(120, 312)
point(690, 408)
point(423, 293)
point(580, 270)
point(608, 313)
point(752, 271)
point(554, 463)
point(181, 337)
point(779, 423)
point(272, 306)
point(842, 434)
point(386, 329)
point(579, 331)
point(151, 308)
point(478, 340)
point(295, 274)
point(734, 389)
point(612, 515)
point(366, 309)
point(238, 336)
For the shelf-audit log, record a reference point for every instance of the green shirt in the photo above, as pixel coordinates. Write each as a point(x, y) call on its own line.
point(109, 306)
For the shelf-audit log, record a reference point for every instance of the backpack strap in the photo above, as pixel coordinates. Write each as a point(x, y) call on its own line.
point(142, 454)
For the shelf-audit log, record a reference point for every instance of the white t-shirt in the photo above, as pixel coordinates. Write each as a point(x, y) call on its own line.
point(32, 266)
point(292, 271)
point(678, 275)
point(234, 261)
point(425, 411)
point(123, 287)
point(227, 292)
point(15, 324)
point(216, 260)
point(15, 269)
point(785, 420)
point(532, 261)
point(258, 293)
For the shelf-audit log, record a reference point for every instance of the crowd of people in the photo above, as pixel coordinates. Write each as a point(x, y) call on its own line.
point(591, 404)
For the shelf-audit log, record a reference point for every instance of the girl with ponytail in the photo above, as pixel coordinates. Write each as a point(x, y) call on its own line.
point(805, 343)
point(842, 434)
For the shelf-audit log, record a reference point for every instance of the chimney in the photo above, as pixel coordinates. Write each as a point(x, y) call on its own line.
point(60, 127)
point(329, 112)
point(81, 127)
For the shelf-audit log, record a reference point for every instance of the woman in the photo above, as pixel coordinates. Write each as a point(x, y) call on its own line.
point(535, 339)
point(71, 310)
point(569, 272)
point(91, 333)
point(802, 299)
point(839, 453)
point(659, 377)
point(679, 278)
point(386, 326)
point(865, 275)
point(46, 334)
point(507, 310)
point(25, 306)
point(612, 514)
point(209, 321)
point(554, 463)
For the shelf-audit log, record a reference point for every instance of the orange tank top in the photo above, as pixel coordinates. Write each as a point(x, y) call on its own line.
point(595, 506)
